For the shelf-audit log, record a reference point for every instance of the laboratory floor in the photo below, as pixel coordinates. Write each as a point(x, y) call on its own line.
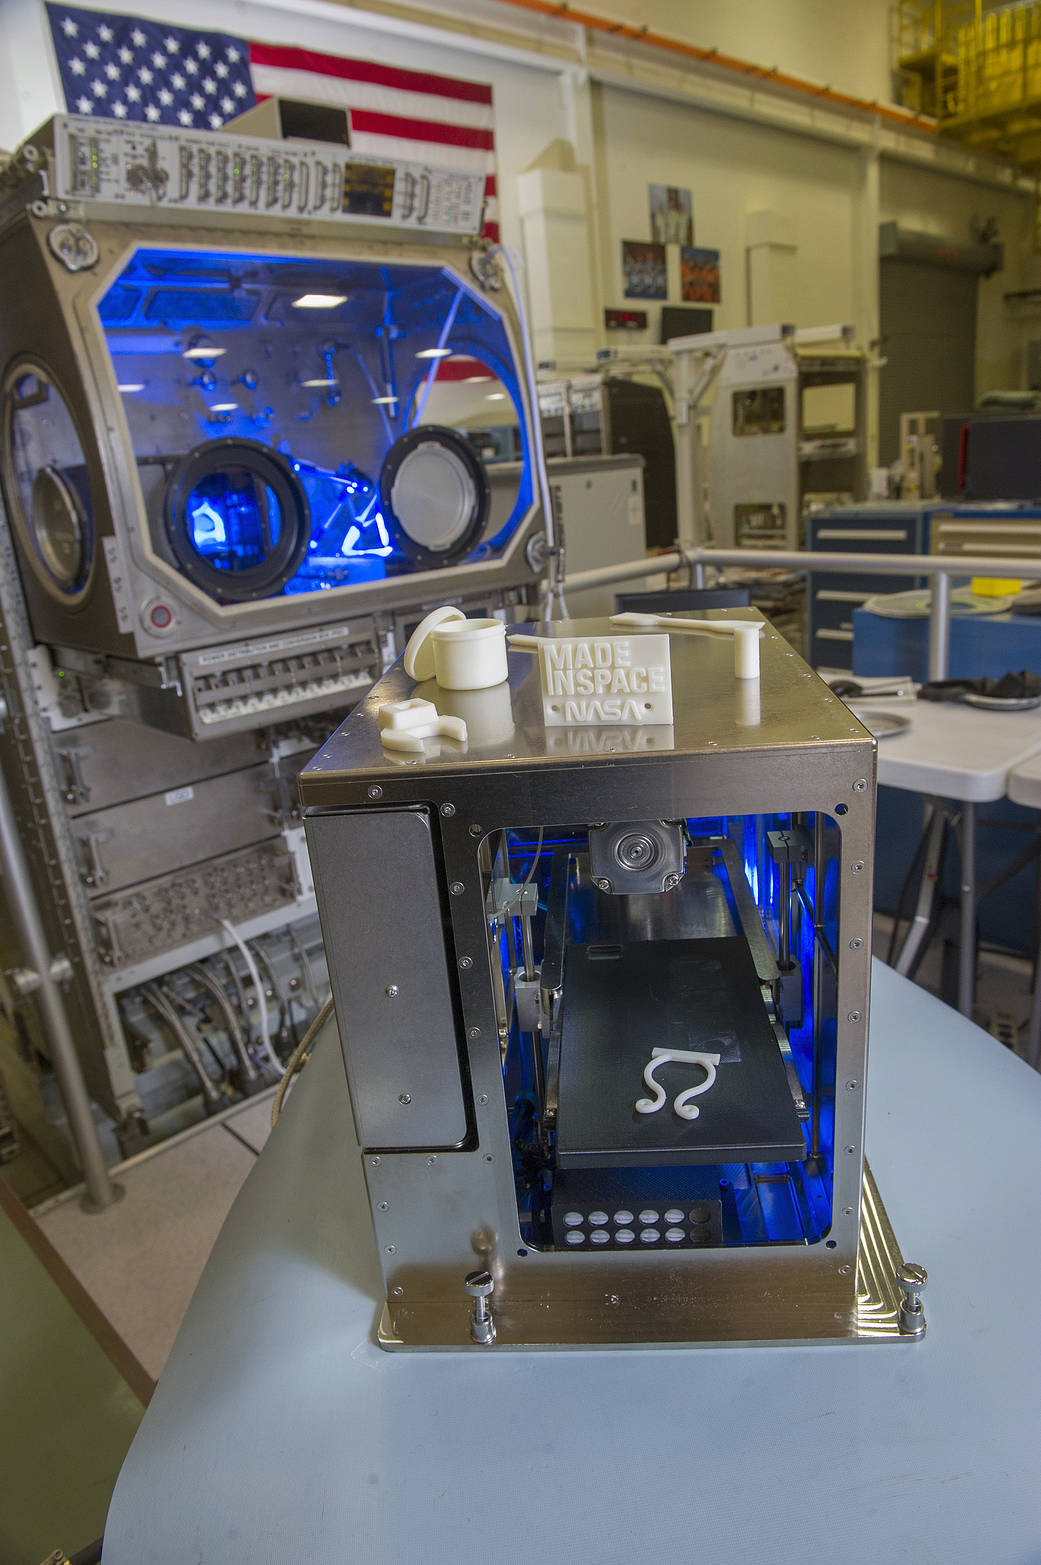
point(1003, 986)
point(73, 1397)
point(141, 1259)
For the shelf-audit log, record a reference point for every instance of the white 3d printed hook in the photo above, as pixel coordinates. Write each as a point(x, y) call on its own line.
point(682, 1104)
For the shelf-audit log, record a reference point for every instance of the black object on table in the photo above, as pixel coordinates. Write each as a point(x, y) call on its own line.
point(623, 1000)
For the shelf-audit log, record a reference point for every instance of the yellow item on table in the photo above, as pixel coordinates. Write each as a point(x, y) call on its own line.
point(995, 586)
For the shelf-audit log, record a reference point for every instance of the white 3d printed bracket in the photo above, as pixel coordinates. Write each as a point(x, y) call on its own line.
point(682, 1104)
point(405, 724)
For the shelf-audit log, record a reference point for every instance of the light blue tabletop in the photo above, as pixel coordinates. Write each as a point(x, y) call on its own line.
point(281, 1433)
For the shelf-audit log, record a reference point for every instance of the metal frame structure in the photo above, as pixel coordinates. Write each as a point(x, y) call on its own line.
point(939, 569)
point(153, 731)
point(762, 463)
point(432, 1120)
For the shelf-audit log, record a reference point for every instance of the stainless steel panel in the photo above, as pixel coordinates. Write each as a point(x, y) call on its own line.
point(791, 715)
point(142, 838)
point(379, 901)
point(105, 763)
point(870, 1313)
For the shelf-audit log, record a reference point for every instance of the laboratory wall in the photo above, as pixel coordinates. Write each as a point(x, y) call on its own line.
point(733, 169)
point(842, 45)
point(937, 204)
point(807, 201)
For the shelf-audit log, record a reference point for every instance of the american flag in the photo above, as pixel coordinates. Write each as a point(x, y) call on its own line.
point(130, 68)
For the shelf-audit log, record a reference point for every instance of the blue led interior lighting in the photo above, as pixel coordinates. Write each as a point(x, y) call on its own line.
point(234, 525)
point(786, 1203)
point(243, 302)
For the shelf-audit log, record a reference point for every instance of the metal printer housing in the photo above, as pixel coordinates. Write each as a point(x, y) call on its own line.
point(400, 857)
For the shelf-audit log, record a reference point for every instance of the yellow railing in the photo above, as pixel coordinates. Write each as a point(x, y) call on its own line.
point(976, 68)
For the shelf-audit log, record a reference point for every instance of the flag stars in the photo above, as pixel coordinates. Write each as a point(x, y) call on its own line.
point(129, 69)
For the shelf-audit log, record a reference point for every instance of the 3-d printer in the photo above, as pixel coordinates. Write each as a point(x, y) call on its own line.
point(602, 991)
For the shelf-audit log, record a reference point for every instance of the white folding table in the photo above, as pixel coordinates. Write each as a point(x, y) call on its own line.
point(280, 1431)
point(962, 753)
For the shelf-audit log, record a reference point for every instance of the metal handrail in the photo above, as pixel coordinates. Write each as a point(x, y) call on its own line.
point(938, 567)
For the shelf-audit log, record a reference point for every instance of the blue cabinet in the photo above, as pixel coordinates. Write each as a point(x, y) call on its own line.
point(883, 527)
point(896, 527)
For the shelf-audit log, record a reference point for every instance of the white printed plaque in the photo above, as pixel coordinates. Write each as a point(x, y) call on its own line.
point(605, 680)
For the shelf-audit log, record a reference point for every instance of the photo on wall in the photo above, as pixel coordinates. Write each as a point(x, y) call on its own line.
point(643, 270)
point(672, 215)
point(699, 275)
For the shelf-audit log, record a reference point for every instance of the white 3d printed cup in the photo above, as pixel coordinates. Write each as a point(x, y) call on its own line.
point(459, 653)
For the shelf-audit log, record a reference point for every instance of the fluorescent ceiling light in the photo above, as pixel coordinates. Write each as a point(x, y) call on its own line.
point(326, 381)
point(434, 353)
point(496, 396)
point(379, 400)
point(469, 380)
point(319, 301)
point(223, 407)
point(202, 348)
point(132, 385)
